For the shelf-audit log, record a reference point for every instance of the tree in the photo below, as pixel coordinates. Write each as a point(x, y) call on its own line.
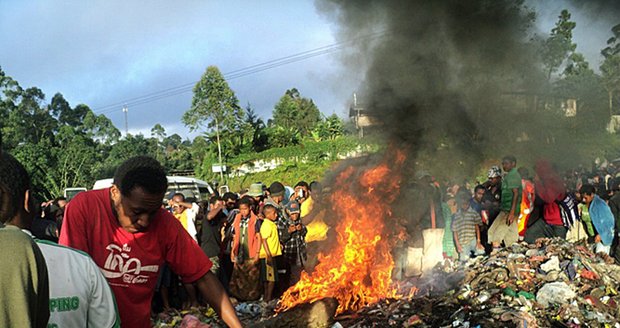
point(280, 136)
point(293, 112)
point(59, 106)
point(576, 65)
point(556, 49)
point(260, 140)
point(198, 150)
point(100, 128)
point(124, 149)
point(158, 132)
point(60, 146)
point(215, 105)
point(66, 115)
point(330, 128)
point(581, 83)
point(610, 68)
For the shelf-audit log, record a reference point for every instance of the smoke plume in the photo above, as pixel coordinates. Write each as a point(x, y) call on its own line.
point(439, 72)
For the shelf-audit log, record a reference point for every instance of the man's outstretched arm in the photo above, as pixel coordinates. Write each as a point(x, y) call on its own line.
point(213, 292)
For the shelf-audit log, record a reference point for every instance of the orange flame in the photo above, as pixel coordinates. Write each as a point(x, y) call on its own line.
point(358, 271)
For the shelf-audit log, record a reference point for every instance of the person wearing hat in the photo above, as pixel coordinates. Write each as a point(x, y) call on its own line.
point(256, 192)
point(295, 248)
point(276, 197)
point(492, 194)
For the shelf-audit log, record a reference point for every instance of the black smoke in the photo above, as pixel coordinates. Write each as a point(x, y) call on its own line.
point(439, 72)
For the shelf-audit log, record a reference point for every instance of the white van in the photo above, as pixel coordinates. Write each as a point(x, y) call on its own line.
point(71, 192)
point(190, 187)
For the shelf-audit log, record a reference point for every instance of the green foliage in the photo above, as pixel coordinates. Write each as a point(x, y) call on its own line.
point(610, 68)
point(576, 65)
point(288, 173)
point(613, 44)
point(158, 132)
point(216, 105)
point(100, 128)
point(295, 113)
point(310, 150)
point(329, 129)
point(260, 138)
point(213, 104)
point(307, 154)
point(280, 136)
point(559, 45)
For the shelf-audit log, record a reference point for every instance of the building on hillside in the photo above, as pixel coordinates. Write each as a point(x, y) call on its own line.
point(528, 101)
point(362, 118)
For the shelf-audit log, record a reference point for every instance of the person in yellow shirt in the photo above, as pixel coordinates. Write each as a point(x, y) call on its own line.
point(185, 212)
point(270, 249)
point(313, 213)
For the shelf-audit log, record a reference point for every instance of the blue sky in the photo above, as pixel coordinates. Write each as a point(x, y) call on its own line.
point(102, 52)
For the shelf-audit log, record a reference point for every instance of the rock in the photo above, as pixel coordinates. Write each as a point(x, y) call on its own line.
point(319, 314)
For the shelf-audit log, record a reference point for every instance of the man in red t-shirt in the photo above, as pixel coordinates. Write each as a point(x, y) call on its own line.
point(130, 236)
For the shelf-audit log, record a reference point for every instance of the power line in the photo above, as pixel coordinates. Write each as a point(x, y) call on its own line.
point(187, 88)
point(165, 93)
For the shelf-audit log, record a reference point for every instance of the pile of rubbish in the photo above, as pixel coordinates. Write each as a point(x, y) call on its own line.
point(553, 283)
point(205, 317)
point(197, 317)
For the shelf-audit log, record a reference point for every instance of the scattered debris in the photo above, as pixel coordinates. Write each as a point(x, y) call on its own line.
point(553, 283)
point(201, 317)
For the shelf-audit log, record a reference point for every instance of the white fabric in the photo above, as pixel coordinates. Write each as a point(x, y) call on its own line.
point(433, 248)
point(79, 294)
point(576, 232)
point(413, 262)
point(600, 248)
point(191, 220)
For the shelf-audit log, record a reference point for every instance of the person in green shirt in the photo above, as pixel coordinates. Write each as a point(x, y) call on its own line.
point(24, 287)
point(505, 227)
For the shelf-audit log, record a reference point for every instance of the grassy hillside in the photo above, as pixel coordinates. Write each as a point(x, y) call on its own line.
point(308, 161)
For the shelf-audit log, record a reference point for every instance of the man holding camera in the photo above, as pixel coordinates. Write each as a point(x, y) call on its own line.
point(295, 248)
point(185, 212)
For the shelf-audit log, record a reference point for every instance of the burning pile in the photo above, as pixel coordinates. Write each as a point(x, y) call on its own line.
point(357, 271)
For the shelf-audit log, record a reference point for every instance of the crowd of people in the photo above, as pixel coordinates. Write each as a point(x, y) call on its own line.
point(255, 239)
point(512, 205)
point(120, 255)
point(125, 255)
point(112, 244)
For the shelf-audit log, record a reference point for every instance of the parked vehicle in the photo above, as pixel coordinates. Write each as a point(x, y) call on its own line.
point(71, 192)
point(190, 187)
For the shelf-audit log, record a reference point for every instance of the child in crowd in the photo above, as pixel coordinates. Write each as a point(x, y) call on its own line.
point(244, 245)
point(245, 280)
point(466, 228)
point(295, 248)
point(270, 249)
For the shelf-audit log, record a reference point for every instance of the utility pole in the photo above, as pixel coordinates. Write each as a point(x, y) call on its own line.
point(125, 110)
